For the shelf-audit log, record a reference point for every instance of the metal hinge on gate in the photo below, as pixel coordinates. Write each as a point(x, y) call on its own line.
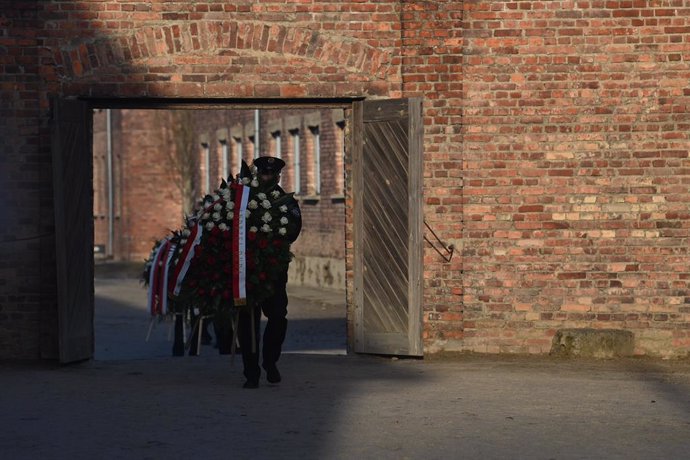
point(448, 248)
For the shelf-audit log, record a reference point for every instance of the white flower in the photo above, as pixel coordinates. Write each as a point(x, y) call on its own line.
point(275, 193)
point(255, 183)
point(225, 192)
point(266, 204)
point(186, 232)
point(183, 241)
point(230, 216)
point(206, 216)
point(177, 261)
point(210, 225)
point(247, 213)
point(283, 220)
point(266, 217)
point(245, 180)
point(216, 216)
point(282, 230)
point(229, 205)
point(283, 208)
point(222, 226)
point(265, 228)
point(252, 204)
point(261, 196)
point(253, 229)
point(217, 207)
point(216, 197)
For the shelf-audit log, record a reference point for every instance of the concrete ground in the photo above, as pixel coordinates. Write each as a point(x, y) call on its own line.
point(136, 401)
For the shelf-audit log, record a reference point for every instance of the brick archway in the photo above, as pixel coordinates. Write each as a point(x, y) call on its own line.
point(225, 59)
point(222, 38)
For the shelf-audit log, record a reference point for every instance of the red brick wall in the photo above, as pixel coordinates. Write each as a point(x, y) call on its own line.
point(146, 201)
point(556, 142)
point(27, 253)
point(432, 68)
point(576, 130)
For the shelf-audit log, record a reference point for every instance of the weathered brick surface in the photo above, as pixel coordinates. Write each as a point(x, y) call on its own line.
point(576, 172)
point(146, 202)
point(556, 141)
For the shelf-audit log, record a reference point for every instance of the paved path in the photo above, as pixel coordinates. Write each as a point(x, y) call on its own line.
point(333, 406)
point(316, 322)
point(347, 407)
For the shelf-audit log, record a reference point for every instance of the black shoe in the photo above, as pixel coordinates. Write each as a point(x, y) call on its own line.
point(251, 384)
point(272, 374)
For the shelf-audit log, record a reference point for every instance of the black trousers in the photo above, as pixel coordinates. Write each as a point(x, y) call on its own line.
point(275, 310)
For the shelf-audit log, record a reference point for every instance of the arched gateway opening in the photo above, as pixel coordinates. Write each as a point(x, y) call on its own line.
point(381, 202)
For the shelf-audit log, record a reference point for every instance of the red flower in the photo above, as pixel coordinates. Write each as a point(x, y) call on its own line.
point(216, 276)
point(273, 261)
point(262, 276)
point(251, 263)
point(215, 231)
point(277, 243)
point(212, 241)
point(201, 291)
point(227, 269)
point(192, 283)
point(226, 295)
point(251, 236)
point(210, 260)
point(263, 243)
point(228, 245)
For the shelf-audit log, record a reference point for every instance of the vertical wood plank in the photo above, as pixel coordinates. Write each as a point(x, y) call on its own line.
point(357, 227)
point(416, 222)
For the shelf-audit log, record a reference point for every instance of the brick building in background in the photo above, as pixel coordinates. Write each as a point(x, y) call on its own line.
point(556, 140)
point(147, 203)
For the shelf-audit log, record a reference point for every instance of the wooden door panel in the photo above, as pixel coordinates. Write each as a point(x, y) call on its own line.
point(73, 191)
point(387, 165)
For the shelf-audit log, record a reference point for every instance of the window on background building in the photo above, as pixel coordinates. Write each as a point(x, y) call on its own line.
point(276, 147)
point(206, 162)
point(237, 154)
point(224, 164)
point(296, 177)
point(314, 162)
point(251, 150)
point(276, 150)
point(339, 175)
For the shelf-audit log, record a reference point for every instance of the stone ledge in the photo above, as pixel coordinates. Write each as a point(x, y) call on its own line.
point(593, 343)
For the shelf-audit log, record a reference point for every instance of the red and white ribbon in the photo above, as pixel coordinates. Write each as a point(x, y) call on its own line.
point(166, 270)
point(186, 256)
point(158, 266)
point(239, 248)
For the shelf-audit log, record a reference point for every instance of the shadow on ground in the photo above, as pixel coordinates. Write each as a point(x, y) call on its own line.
point(122, 324)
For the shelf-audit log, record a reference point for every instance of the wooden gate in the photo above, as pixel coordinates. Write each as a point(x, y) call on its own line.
point(71, 133)
point(387, 194)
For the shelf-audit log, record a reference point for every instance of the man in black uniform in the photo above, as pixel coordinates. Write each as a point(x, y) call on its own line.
point(275, 307)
